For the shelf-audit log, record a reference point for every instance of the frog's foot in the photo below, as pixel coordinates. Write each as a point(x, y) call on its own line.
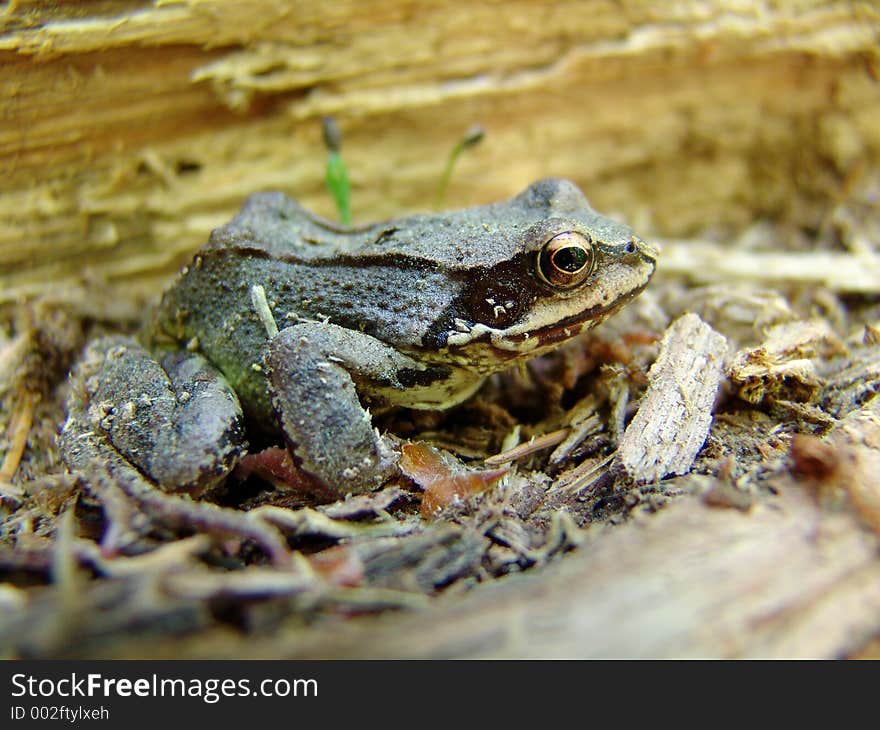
point(135, 423)
point(175, 419)
point(134, 507)
point(312, 369)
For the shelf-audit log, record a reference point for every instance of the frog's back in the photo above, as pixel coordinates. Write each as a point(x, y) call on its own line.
point(274, 225)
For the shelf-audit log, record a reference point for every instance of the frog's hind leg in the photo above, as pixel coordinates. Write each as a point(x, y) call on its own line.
point(312, 369)
point(130, 417)
point(174, 418)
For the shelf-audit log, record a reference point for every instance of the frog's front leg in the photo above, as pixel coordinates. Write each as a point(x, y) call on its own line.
point(174, 416)
point(315, 371)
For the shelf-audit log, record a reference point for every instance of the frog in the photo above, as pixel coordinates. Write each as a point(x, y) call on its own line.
point(290, 327)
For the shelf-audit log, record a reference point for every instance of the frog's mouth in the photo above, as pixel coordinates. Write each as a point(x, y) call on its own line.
point(511, 345)
point(482, 347)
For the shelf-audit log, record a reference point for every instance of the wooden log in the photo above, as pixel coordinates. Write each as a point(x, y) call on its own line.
point(129, 130)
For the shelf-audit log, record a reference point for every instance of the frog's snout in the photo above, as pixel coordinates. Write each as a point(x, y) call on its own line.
point(648, 251)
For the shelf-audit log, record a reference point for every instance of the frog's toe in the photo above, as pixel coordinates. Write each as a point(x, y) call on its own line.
point(176, 419)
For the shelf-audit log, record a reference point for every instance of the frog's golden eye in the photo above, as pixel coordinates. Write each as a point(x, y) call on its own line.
point(566, 259)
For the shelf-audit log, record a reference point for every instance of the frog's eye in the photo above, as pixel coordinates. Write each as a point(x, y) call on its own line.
point(566, 259)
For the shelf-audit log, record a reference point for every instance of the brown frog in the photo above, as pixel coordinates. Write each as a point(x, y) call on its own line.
point(287, 323)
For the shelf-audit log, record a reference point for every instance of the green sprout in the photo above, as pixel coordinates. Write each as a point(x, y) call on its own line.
point(472, 137)
point(337, 174)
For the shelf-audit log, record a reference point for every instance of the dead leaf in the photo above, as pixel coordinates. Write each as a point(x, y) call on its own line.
point(445, 480)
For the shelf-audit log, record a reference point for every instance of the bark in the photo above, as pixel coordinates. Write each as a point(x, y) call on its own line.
point(131, 128)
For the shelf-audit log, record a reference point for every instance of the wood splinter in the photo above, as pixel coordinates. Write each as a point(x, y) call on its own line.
point(675, 414)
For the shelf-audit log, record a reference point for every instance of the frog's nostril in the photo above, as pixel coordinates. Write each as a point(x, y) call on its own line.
point(647, 250)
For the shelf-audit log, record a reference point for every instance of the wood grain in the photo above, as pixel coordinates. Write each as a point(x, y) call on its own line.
point(675, 414)
point(131, 128)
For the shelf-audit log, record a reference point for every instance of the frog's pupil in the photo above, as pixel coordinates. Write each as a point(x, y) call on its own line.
point(570, 259)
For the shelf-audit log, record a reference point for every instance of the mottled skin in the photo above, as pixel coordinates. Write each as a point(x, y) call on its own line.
point(411, 312)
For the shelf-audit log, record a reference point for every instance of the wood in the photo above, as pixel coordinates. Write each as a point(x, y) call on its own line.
point(707, 261)
point(675, 414)
point(786, 579)
point(793, 575)
point(130, 129)
point(783, 366)
point(782, 580)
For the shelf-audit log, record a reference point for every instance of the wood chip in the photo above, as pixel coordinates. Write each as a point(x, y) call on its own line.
point(674, 416)
point(361, 505)
point(309, 522)
point(171, 557)
point(19, 428)
point(583, 421)
point(784, 365)
point(854, 382)
point(252, 582)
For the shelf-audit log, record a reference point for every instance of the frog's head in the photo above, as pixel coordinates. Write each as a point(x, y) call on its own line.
point(550, 268)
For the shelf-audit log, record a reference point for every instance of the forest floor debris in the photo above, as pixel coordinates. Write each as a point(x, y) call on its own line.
point(754, 376)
